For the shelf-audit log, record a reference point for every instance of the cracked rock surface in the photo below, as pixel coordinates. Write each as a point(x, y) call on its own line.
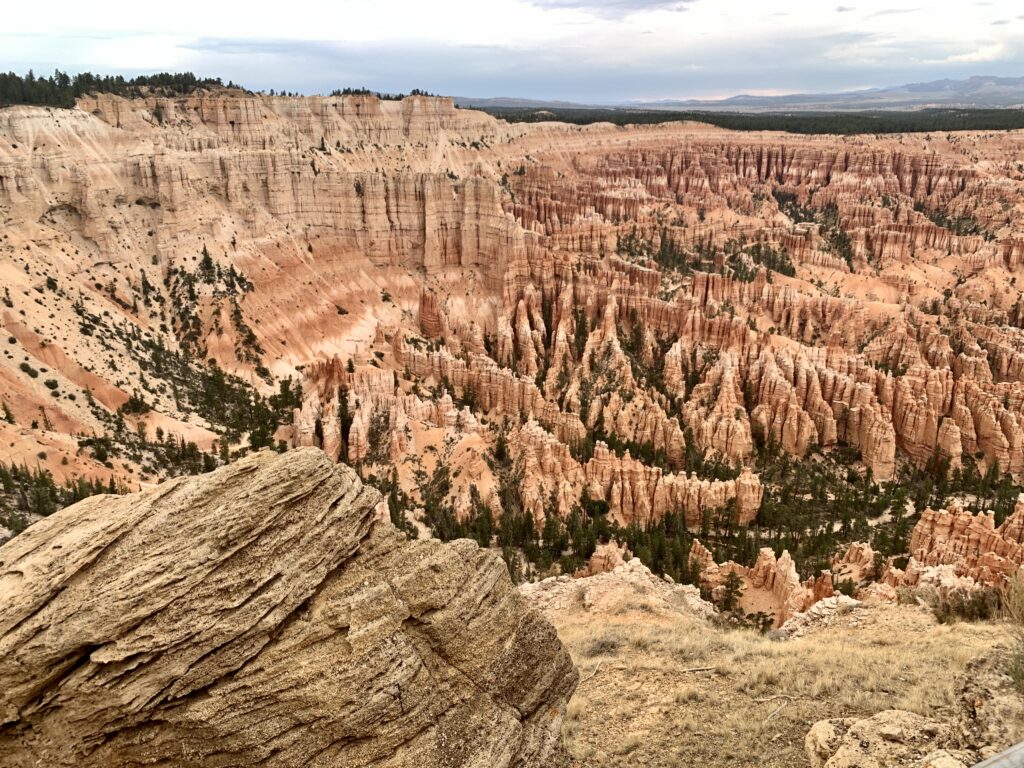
point(266, 614)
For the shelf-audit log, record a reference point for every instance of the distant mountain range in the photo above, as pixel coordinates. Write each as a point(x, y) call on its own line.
point(977, 92)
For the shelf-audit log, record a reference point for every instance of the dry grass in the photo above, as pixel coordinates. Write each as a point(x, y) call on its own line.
point(648, 706)
point(1013, 610)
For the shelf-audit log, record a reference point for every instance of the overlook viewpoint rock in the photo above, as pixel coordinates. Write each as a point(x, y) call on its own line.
point(267, 613)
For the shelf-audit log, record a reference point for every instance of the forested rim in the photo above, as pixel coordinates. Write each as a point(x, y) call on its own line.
point(845, 123)
point(61, 89)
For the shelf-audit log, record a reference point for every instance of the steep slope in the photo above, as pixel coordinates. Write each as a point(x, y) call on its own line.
point(264, 613)
point(661, 685)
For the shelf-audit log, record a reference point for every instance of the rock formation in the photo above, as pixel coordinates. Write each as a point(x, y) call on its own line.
point(971, 542)
point(772, 586)
point(892, 737)
point(950, 550)
point(606, 557)
point(640, 312)
point(635, 492)
point(988, 718)
point(266, 613)
point(954, 549)
point(858, 563)
point(823, 613)
point(629, 586)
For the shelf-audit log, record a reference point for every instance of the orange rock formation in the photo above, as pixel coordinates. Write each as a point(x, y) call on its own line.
point(448, 275)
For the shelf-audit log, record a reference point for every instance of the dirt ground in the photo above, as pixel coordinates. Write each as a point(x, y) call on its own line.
point(667, 688)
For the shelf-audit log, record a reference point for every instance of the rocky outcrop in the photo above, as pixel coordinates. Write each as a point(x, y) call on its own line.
point(771, 587)
point(988, 718)
point(267, 613)
point(892, 737)
point(990, 706)
point(965, 546)
point(858, 563)
point(606, 557)
point(628, 587)
point(823, 613)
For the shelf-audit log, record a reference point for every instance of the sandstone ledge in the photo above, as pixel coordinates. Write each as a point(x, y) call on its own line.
point(265, 613)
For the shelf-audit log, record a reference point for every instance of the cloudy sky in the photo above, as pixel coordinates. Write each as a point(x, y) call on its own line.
point(580, 50)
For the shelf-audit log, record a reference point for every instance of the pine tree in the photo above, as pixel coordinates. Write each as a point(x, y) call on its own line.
point(733, 590)
point(206, 268)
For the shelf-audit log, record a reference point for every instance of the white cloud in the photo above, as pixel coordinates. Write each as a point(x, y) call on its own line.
point(549, 48)
point(993, 52)
point(616, 9)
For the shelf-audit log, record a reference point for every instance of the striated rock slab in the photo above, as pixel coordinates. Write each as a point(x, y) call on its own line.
point(267, 614)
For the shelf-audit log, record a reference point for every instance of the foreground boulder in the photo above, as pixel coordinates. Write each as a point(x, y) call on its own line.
point(266, 613)
point(988, 719)
point(889, 738)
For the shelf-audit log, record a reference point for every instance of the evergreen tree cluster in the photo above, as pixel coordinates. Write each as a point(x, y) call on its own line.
point(61, 89)
point(209, 279)
point(225, 401)
point(790, 205)
point(958, 225)
point(383, 96)
point(774, 259)
point(837, 239)
point(841, 123)
point(28, 491)
point(704, 256)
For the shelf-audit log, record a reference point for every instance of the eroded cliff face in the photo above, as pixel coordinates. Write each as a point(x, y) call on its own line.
point(267, 613)
point(652, 298)
point(951, 551)
point(953, 548)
